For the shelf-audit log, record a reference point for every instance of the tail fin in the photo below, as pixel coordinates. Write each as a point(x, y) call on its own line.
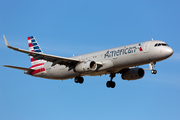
point(34, 47)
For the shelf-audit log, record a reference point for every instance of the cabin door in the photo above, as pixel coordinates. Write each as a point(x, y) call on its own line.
point(146, 46)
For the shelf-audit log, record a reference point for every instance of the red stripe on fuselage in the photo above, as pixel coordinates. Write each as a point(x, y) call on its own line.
point(37, 65)
point(38, 71)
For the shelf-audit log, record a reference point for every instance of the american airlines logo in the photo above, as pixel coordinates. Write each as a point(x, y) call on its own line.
point(140, 48)
point(119, 52)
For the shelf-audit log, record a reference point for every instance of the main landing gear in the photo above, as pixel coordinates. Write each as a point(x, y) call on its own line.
point(152, 65)
point(111, 83)
point(79, 79)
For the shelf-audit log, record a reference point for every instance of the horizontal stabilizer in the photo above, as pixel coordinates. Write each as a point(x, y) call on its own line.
point(20, 68)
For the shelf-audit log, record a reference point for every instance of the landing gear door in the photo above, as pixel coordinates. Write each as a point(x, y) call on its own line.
point(146, 46)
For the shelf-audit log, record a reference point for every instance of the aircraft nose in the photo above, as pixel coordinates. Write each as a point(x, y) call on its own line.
point(169, 51)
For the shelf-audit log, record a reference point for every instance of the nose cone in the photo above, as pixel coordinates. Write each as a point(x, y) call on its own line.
point(169, 51)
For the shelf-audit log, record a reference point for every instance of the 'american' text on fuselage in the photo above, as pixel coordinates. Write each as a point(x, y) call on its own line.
point(119, 52)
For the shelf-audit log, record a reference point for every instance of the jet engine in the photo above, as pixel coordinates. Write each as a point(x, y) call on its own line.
point(133, 74)
point(85, 66)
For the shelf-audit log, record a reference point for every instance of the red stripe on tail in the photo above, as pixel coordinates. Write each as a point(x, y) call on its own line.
point(32, 60)
point(29, 38)
point(37, 65)
point(30, 45)
point(38, 71)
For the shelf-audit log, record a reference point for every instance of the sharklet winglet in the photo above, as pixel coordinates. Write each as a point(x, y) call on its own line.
point(7, 44)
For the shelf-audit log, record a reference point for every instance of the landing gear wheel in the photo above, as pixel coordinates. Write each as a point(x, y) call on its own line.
point(81, 80)
point(111, 84)
point(108, 84)
point(154, 71)
point(78, 79)
point(152, 65)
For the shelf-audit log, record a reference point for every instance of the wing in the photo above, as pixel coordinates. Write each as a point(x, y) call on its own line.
point(55, 59)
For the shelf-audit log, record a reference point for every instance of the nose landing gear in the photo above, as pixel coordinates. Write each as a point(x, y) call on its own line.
point(153, 71)
point(152, 65)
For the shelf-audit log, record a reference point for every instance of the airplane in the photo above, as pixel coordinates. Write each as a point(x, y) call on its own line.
point(124, 60)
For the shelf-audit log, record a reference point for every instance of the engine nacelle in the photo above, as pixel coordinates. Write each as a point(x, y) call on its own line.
point(86, 66)
point(133, 74)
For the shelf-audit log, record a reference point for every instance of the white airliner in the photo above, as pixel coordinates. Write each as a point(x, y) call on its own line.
point(112, 61)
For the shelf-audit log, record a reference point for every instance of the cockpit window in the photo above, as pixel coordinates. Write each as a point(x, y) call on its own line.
point(164, 44)
point(160, 44)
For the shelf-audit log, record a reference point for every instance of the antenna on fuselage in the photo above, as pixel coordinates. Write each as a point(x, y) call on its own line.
point(152, 39)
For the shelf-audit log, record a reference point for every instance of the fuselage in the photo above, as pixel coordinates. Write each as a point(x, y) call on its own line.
point(112, 60)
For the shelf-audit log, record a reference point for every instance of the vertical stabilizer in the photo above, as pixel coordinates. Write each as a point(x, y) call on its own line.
point(34, 47)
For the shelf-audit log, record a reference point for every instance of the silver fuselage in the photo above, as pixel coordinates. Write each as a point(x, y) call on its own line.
point(112, 60)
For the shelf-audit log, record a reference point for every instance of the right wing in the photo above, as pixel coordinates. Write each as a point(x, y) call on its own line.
point(55, 59)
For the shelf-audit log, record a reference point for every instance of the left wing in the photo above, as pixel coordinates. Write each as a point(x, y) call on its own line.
point(55, 59)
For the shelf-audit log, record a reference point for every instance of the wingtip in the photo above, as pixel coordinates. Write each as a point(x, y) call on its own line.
point(7, 44)
point(5, 65)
